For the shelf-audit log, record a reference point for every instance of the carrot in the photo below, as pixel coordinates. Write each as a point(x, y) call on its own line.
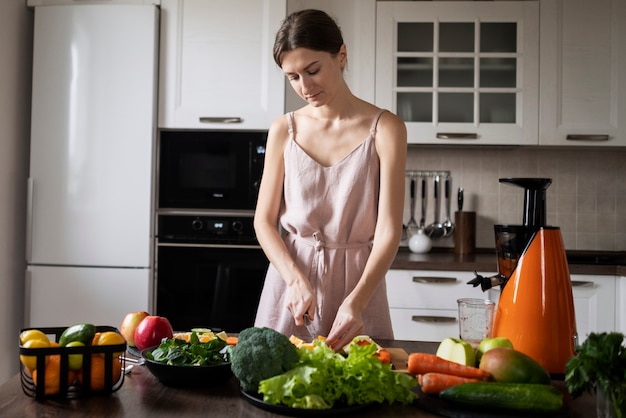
point(384, 356)
point(422, 363)
point(433, 383)
point(231, 340)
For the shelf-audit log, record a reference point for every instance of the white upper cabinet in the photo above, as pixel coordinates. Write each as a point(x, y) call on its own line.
point(583, 72)
point(460, 72)
point(217, 70)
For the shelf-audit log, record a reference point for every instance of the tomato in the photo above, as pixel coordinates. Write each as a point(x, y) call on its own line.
point(31, 361)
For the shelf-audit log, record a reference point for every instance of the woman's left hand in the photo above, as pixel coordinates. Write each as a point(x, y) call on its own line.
point(347, 325)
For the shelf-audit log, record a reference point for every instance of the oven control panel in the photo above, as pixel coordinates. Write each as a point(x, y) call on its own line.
point(206, 229)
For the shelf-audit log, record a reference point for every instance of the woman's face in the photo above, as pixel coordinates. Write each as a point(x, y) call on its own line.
point(316, 76)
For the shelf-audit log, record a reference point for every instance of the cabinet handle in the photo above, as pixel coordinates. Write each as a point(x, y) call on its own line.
point(433, 319)
point(227, 119)
point(579, 283)
point(590, 137)
point(433, 280)
point(456, 136)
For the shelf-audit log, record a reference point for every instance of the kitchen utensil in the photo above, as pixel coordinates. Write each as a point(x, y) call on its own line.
point(423, 217)
point(447, 224)
point(411, 227)
point(460, 198)
point(309, 326)
point(436, 230)
point(536, 306)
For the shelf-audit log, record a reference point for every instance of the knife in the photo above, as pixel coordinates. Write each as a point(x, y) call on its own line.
point(460, 199)
point(309, 325)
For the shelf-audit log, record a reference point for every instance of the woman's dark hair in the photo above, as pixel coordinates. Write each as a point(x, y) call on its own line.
point(311, 29)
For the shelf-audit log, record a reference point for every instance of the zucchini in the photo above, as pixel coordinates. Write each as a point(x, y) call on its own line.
point(520, 397)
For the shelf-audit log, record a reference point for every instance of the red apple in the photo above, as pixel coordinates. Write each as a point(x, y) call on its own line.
point(129, 324)
point(151, 330)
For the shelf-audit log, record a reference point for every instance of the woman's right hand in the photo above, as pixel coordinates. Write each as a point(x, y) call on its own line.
point(300, 300)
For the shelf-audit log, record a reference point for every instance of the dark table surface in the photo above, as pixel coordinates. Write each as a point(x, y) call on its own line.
point(142, 395)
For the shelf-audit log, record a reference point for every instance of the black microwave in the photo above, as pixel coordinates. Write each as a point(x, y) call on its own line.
point(210, 169)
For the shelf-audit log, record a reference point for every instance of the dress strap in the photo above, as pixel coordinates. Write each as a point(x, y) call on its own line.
point(290, 124)
point(375, 123)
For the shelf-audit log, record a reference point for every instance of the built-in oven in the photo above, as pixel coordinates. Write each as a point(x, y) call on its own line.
point(209, 266)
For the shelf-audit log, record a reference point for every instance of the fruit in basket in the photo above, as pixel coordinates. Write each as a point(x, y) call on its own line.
point(151, 330)
point(52, 379)
point(31, 361)
point(129, 325)
point(75, 361)
point(32, 334)
point(511, 366)
point(457, 350)
point(79, 332)
point(97, 380)
point(108, 338)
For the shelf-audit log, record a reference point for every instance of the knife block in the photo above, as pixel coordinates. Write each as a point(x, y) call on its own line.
point(464, 233)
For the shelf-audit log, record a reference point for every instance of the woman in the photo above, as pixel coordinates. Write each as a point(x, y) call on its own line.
point(329, 212)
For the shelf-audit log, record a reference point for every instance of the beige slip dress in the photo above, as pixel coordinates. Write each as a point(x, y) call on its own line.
point(328, 215)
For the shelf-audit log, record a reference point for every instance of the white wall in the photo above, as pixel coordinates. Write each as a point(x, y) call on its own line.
point(15, 74)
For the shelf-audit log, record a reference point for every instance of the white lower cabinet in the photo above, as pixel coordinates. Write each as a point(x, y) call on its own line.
point(423, 304)
point(594, 303)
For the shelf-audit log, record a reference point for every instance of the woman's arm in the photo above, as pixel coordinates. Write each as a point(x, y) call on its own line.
point(391, 145)
point(300, 295)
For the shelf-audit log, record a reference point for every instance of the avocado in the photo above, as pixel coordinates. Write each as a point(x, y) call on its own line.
point(511, 366)
point(79, 332)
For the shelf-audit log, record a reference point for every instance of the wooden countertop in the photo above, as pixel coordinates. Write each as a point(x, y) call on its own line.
point(484, 261)
point(142, 395)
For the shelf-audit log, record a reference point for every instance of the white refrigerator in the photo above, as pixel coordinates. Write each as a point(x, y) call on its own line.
point(89, 229)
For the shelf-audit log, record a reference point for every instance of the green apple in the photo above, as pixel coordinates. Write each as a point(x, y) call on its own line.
point(75, 361)
point(492, 342)
point(457, 350)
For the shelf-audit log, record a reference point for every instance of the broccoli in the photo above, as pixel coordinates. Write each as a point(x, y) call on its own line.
point(261, 353)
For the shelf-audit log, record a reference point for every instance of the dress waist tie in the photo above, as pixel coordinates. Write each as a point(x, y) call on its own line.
point(320, 244)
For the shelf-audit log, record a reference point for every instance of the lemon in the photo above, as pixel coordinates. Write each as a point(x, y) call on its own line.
point(31, 361)
point(33, 334)
point(75, 361)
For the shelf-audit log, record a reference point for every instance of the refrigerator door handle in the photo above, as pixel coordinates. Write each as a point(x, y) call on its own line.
point(29, 218)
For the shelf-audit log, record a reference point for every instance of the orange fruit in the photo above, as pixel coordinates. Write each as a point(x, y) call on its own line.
point(97, 372)
point(108, 338)
point(52, 380)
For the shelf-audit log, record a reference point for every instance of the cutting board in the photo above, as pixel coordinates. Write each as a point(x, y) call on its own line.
point(399, 358)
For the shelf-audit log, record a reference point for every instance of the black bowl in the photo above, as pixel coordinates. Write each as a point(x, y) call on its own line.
point(195, 376)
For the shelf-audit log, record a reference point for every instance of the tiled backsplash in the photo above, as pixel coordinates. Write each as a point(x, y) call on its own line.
point(587, 197)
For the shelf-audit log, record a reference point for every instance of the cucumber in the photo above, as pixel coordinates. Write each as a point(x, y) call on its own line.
point(79, 332)
point(520, 397)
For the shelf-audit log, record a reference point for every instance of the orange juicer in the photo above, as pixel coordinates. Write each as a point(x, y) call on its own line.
point(536, 307)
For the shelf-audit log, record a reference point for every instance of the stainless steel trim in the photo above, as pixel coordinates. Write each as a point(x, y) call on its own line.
point(205, 212)
point(589, 137)
point(460, 135)
point(433, 319)
point(191, 245)
point(225, 119)
point(434, 280)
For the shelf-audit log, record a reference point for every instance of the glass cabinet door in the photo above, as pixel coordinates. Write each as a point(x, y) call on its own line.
point(461, 73)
